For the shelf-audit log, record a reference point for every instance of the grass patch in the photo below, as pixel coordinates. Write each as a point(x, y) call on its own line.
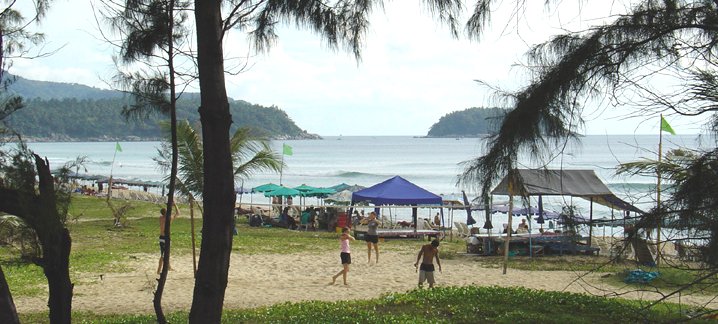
point(557, 263)
point(24, 279)
point(88, 207)
point(439, 305)
point(670, 279)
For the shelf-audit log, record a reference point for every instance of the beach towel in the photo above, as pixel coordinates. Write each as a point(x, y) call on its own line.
point(640, 276)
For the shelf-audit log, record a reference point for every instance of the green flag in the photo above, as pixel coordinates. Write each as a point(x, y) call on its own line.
point(118, 148)
point(287, 150)
point(666, 127)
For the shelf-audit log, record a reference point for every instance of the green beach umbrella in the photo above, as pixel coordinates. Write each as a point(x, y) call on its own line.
point(318, 192)
point(266, 187)
point(305, 188)
point(282, 192)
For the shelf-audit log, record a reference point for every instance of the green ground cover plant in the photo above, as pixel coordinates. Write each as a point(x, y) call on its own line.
point(439, 305)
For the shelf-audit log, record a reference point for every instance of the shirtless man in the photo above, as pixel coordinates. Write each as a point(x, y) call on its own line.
point(163, 238)
point(426, 271)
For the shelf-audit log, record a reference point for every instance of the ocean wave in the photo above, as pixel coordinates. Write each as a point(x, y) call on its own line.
point(354, 174)
point(102, 163)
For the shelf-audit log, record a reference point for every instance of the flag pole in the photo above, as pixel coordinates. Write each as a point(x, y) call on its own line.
point(281, 166)
point(112, 167)
point(658, 193)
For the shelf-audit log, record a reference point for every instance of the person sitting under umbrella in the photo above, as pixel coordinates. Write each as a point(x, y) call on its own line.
point(523, 227)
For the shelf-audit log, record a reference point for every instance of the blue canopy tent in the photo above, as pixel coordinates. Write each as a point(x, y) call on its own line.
point(397, 191)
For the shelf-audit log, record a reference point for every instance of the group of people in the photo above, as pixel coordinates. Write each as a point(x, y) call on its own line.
point(427, 254)
point(522, 228)
point(307, 218)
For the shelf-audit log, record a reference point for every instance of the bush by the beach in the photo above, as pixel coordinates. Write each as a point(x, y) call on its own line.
point(445, 304)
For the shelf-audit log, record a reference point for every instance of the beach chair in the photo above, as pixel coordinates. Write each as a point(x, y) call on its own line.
point(427, 225)
point(642, 252)
point(459, 230)
point(465, 229)
point(134, 196)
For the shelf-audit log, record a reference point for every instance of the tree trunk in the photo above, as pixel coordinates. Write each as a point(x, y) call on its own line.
point(40, 213)
point(218, 195)
point(56, 265)
point(56, 244)
point(8, 314)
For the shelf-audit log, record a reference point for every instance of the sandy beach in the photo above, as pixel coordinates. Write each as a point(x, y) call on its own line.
point(260, 280)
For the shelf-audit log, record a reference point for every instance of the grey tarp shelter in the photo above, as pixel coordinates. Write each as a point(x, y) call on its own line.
point(576, 183)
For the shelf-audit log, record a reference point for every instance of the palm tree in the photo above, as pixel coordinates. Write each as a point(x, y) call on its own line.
point(250, 154)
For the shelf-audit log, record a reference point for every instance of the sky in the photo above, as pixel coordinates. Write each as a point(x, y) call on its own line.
point(412, 71)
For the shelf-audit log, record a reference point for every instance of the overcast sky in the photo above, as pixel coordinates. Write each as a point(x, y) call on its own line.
point(412, 71)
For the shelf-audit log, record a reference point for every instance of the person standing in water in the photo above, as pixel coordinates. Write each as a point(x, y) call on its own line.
point(371, 237)
point(345, 255)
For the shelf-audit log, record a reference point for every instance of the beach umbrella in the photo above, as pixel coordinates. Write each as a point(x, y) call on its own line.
point(469, 220)
point(342, 197)
point(305, 188)
point(242, 190)
point(318, 192)
point(266, 187)
point(282, 192)
point(354, 188)
point(340, 187)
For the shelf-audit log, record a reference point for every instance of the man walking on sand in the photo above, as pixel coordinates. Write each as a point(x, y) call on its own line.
point(163, 237)
point(426, 271)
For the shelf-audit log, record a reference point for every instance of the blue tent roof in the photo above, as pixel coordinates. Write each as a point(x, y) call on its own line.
point(396, 191)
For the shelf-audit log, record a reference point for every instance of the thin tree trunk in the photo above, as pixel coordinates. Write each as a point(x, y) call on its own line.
point(194, 247)
point(218, 195)
point(157, 302)
point(8, 313)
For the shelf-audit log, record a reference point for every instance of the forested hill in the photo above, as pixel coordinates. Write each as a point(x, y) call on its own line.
point(31, 89)
point(71, 112)
point(470, 122)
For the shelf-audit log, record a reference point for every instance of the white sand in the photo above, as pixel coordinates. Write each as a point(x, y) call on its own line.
point(258, 280)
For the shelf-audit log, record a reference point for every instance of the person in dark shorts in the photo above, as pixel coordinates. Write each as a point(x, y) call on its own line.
point(163, 238)
point(371, 237)
point(426, 271)
point(345, 255)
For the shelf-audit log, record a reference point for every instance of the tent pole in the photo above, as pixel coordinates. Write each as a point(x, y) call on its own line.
point(590, 222)
point(529, 219)
point(508, 229)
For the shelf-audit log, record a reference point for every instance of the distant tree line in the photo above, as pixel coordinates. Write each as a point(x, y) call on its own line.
point(469, 122)
point(100, 119)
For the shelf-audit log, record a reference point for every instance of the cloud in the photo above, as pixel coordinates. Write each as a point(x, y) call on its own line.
point(411, 73)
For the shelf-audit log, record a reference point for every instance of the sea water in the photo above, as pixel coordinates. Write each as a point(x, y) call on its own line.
point(431, 163)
